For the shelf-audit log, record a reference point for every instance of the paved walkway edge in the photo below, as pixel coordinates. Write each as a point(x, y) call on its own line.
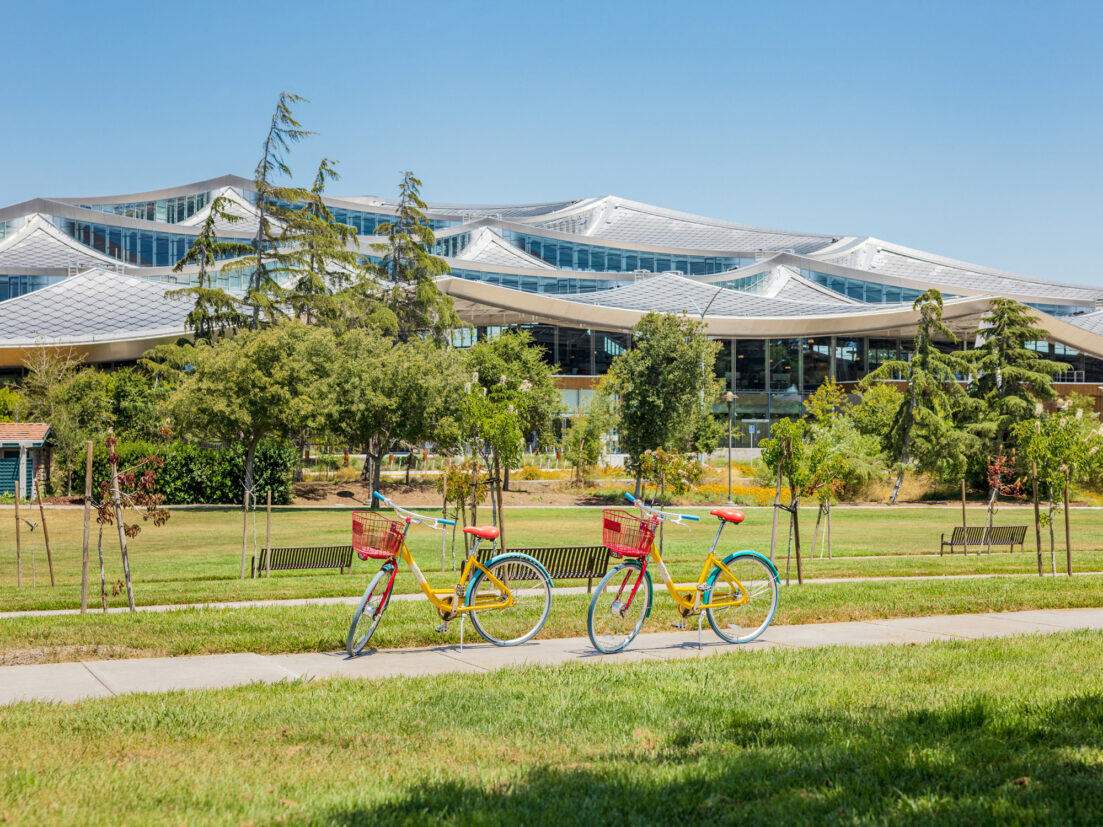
point(68, 682)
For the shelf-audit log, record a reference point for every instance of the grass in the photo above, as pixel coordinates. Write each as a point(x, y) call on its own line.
point(411, 623)
point(196, 556)
point(983, 732)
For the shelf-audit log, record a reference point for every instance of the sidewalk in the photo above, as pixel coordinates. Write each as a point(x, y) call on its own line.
point(69, 682)
point(352, 600)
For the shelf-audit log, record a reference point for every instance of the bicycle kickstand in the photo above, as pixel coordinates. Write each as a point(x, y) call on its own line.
point(462, 619)
point(700, 620)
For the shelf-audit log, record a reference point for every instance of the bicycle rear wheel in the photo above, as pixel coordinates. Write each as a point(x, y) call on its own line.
point(751, 575)
point(369, 612)
point(616, 616)
point(531, 590)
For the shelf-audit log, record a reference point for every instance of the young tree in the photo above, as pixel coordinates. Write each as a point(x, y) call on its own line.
point(1008, 378)
point(512, 393)
point(411, 269)
point(216, 310)
point(807, 467)
point(922, 433)
point(584, 442)
point(665, 388)
point(255, 384)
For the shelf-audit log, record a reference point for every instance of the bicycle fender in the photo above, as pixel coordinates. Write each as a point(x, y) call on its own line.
point(509, 555)
point(727, 560)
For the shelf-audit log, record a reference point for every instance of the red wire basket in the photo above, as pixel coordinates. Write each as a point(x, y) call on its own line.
point(374, 535)
point(626, 535)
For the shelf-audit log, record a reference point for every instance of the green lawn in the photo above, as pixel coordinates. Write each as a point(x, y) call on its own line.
point(411, 623)
point(196, 556)
point(986, 732)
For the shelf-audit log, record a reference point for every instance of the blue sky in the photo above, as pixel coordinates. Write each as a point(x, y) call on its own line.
point(972, 130)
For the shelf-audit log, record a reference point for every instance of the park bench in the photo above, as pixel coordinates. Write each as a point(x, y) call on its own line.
point(285, 558)
point(979, 537)
point(564, 562)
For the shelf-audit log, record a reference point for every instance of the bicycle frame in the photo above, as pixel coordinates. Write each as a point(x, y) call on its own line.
point(451, 600)
point(688, 599)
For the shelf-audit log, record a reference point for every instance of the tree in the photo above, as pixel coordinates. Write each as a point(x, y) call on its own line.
point(511, 393)
point(875, 410)
point(327, 261)
point(665, 388)
point(584, 441)
point(807, 467)
point(255, 384)
point(384, 394)
point(275, 208)
point(1058, 448)
point(216, 310)
point(1008, 378)
point(923, 434)
point(411, 268)
point(74, 400)
point(10, 401)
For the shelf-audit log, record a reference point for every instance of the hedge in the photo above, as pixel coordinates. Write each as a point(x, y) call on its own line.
point(193, 474)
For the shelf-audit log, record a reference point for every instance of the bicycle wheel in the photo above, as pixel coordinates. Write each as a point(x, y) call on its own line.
point(369, 612)
point(531, 589)
point(615, 616)
point(751, 575)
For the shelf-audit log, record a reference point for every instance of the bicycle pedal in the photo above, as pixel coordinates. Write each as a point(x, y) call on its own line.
point(679, 624)
point(442, 628)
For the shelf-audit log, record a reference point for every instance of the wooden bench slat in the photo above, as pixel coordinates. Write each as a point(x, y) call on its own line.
point(982, 537)
point(287, 558)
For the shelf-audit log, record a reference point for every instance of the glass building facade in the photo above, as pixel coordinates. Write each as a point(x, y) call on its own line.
point(165, 210)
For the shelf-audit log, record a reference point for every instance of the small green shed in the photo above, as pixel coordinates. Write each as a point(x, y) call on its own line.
point(24, 455)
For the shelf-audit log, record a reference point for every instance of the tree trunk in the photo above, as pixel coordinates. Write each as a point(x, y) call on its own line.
point(505, 478)
point(244, 531)
point(250, 457)
point(409, 464)
point(45, 533)
point(377, 477)
point(1037, 516)
point(103, 575)
point(816, 533)
point(896, 487)
point(18, 535)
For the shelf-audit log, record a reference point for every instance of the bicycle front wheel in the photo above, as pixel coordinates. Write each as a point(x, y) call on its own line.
point(746, 619)
point(616, 615)
point(369, 612)
point(530, 588)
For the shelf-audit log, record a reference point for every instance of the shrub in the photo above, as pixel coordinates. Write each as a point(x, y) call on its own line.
point(194, 474)
point(529, 472)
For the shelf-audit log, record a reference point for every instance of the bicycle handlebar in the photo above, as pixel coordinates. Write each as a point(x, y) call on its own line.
point(662, 515)
point(434, 523)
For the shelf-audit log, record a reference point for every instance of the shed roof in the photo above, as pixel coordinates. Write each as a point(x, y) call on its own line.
point(23, 432)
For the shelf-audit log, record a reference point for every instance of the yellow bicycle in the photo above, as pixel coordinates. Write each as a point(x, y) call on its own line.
point(508, 597)
point(738, 594)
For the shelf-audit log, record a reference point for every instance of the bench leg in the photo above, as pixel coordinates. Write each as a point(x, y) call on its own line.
point(590, 586)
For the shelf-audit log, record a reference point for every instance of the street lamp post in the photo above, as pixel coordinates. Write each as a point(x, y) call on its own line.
point(729, 397)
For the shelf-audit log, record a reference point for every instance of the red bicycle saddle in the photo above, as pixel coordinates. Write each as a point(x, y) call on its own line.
point(729, 514)
point(486, 532)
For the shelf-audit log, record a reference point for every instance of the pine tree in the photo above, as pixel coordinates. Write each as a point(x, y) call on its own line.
point(411, 268)
point(321, 255)
point(270, 258)
point(216, 310)
point(1008, 378)
point(923, 432)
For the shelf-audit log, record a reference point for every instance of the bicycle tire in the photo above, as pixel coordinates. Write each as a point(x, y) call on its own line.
point(742, 624)
point(602, 624)
point(521, 622)
point(354, 645)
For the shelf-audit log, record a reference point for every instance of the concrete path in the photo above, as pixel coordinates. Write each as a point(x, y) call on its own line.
point(352, 600)
point(98, 679)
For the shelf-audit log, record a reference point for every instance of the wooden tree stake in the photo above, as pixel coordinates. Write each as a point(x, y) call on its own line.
point(18, 539)
point(1037, 516)
point(1068, 533)
point(244, 531)
point(87, 531)
point(268, 538)
point(45, 533)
